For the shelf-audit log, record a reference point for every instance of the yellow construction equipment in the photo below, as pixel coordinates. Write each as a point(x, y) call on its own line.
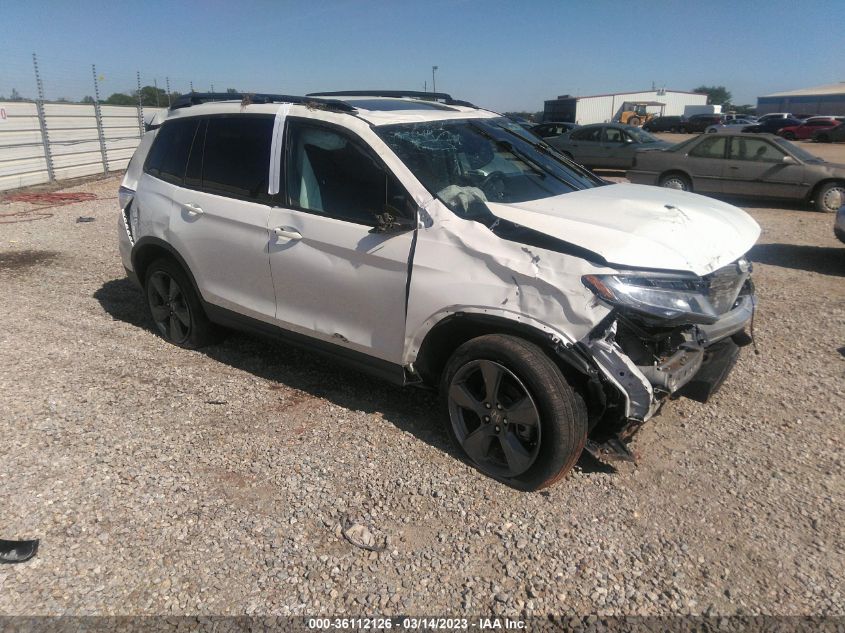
point(635, 113)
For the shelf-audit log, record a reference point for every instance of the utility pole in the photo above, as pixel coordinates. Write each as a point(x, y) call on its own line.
point(433, 82)
point(155, 85)
point(167, 83)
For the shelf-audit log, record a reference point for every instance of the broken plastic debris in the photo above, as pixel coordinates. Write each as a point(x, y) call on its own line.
point(17, 551)
point(361, 536)
point(85, 218)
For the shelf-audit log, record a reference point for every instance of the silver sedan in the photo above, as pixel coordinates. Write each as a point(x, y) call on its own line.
point(753, 165)
point(735, 125)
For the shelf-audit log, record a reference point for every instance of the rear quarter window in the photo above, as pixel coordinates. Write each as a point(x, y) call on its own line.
point(171, 147)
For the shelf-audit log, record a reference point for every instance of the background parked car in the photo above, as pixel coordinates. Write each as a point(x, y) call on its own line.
point(831, 135)
point(732, 125)
point(776, 115)
point(732, 116)
point(809, 127)
point(697, 123)
point(770, 126)
point(744, 165)
point(606, 145)
point(555, 128)
point(666, 124)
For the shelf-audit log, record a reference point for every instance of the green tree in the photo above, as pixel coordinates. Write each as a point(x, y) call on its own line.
point(87, 99)
point(15, 96)
point(121, 98)
point(152, 96)
point(231, 91)
point(716, 95)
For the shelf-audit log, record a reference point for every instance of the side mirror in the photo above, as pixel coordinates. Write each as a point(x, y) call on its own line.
point(788, 160)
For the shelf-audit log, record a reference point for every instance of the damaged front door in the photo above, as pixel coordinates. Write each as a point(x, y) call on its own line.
point(340, 274)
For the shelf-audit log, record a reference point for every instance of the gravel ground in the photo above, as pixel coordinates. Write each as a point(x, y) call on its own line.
point(161, 480)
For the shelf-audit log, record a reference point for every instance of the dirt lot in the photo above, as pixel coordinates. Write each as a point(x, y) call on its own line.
point(161, 480)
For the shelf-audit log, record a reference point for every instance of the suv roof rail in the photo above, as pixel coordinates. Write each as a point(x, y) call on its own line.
point(196, 98)
point(413, 94)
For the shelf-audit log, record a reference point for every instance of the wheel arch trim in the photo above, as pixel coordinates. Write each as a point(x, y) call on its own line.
point(814, 190)
point(143, 255)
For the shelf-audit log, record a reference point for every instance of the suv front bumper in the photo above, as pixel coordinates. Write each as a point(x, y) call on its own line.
point(695, 368)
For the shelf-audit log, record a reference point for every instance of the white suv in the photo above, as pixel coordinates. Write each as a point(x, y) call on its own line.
point(436, 243)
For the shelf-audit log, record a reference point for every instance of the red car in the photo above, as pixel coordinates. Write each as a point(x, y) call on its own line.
point(809, 127)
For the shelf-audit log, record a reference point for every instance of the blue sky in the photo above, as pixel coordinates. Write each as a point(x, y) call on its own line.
point(501, 54)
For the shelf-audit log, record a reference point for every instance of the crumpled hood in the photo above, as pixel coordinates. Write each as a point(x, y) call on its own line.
point(637, 226)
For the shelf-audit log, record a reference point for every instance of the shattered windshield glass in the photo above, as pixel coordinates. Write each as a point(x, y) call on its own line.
point(468, 162)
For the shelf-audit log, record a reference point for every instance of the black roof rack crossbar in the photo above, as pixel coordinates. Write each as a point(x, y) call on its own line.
point(428, 96)
point(196, 98)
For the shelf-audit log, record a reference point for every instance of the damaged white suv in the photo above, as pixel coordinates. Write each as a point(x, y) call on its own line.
point(435, 243)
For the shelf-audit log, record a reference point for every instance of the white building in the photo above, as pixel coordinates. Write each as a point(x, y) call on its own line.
point(604, 108)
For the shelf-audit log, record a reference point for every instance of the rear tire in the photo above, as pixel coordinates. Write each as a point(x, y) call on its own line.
point(830, 197)
point(495, 377)
point(175, 307)
point(676, 181)
point(789, 136)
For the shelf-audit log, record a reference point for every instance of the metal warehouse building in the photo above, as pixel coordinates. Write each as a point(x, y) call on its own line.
point(602, 108)
point(827, 99)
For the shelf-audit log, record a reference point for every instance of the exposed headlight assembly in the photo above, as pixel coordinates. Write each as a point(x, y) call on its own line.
point(664, 296)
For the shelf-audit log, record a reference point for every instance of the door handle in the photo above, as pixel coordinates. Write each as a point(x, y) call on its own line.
point(192, 208)
point(291, 234)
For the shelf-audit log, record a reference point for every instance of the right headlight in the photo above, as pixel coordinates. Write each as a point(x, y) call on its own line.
point(661, 295)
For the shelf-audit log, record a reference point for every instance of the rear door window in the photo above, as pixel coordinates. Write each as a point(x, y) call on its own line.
point(614, 135)
point(711, 147)
point(590, 134)
point(236, 160)
point(169, 153)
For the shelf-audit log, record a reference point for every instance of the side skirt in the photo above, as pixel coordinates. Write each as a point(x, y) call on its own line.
point(376, 367)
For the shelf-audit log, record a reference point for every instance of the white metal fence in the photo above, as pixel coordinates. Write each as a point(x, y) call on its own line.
point(43, 142)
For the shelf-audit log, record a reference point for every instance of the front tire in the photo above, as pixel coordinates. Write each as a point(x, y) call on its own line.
point(635, 121)
point(511, 412)
point(830, 197)
point(676, 181)
point(175, 307)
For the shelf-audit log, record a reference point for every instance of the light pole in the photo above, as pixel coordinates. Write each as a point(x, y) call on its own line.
point(433, 83)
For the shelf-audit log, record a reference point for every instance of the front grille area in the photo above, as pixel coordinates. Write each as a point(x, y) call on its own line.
point(723, 285)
